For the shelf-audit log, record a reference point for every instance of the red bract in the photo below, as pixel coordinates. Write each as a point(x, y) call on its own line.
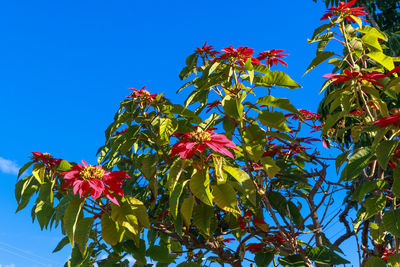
point(345, 11)
point(254, 248)
point(211, 105)
point(85, 178)
point(272, 57)
point(387, 253)
point(142, 95)
point(206, 51)
point(45, 158)
point(238, 55)
point(306, 115)
point(228, 240)
point(198, 141)
point(393, 119)
point(348, 75)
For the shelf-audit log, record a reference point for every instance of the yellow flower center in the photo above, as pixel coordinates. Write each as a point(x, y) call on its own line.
point(200, 136)
point(47, 156)
point(91, 172)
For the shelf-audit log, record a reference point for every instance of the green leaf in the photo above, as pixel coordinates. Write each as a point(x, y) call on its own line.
point(357, 162)
point(82, 232)
point(323, 255)
point(239, 174)
point(219, 169)
point(375, 262)
point(43, 212)
point(275, 78)
point(321, 57)
point(174, 198)
point(23, 169)
point(232, 107)
point(167, 128)
point(282, 103)
point(292, 261)
point(374, 204)
point(396, 182)
point(200, 187)
point(263, 259)
point(270, 166)
point(111, 232)
point(384, 152)
point(187, 210)
point(160, 254)
point(391, 222)
point(244, 180)
point(71, 217)
point(39, 172)
point(61, 244)
point(202, 215)
point(377, 232)
point(64, 166)
point(274, 119)
point(394, 260)
point(225, 198)
point(320, 29)
point(382, 59)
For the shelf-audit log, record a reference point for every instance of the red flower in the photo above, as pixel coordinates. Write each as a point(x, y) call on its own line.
point(387, 253)
point(85, 178)
point(199, 140)
point(348, 75)
point(206, 50)
point(239, 55)
point(45, 158)
point(272, 57)
point(142, 94)
point(345, 11)
point(306, 115)
point(121, 132)
point(254, 248)
point(393, 119)
point(211, 105)
point(228, 240)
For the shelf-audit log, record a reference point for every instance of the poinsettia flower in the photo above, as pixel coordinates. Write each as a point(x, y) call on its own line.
point(238, 55)
point(305, 115)
point(393, 119)
point(212, 105)
point(45, 158)
point(372, 77)
point(206, 51)
point(254, 248)
point(198, 141)
point(272, 57)
point(346, 11)
point(228, 240)
point(387, 253)
point(142, 94)
point(94, 179)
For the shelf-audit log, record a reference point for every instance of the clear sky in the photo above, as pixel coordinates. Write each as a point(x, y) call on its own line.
point(66, 65)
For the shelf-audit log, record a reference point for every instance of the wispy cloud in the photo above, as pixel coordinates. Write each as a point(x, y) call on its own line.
point(8, 166)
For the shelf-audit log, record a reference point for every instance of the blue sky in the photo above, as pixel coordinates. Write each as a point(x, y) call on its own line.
point(66, 65)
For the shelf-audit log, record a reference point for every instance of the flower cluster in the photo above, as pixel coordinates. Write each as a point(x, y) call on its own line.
point(206, 51)
point(237, 55)
point(346, 11)
point(45, 158)
point(305, 115)
point(272, 57)
point(372, 77)
point(245, 220)
point(393, 119)
point(142, 95)
point(94, 179)
point(198, 140)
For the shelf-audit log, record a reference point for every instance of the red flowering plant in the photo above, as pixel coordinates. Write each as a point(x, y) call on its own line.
point(359, 115)
point(248, 184)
